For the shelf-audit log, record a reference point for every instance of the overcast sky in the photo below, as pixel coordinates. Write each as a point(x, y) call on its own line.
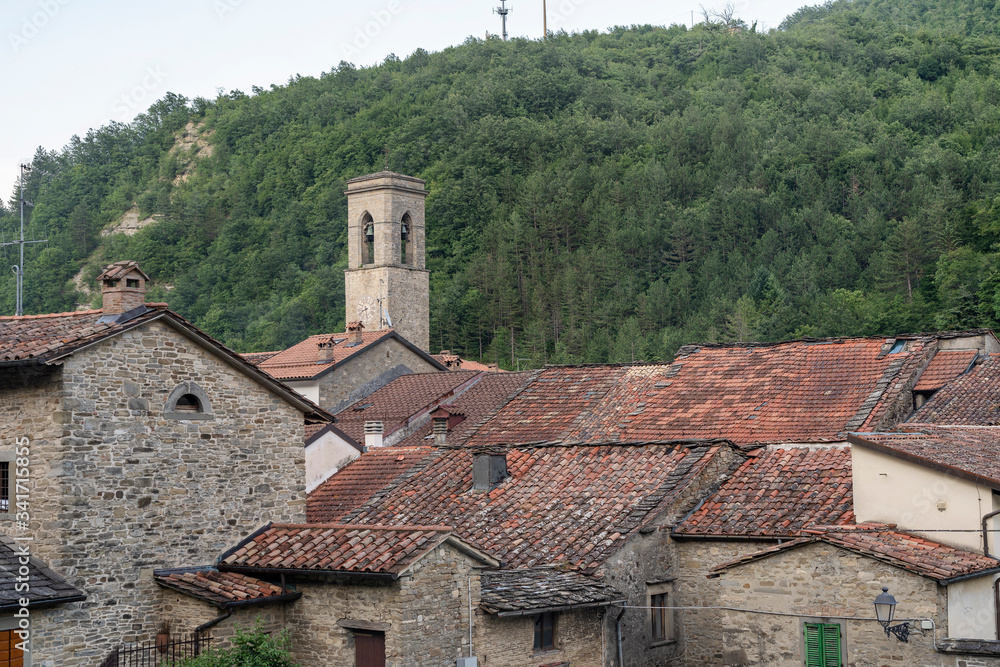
point(72, 65)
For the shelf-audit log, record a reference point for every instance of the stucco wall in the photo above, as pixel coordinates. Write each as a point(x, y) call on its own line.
point(820, 581)
point(325, 456)
point(972, 609)
point(123, 489)
point(889, 490)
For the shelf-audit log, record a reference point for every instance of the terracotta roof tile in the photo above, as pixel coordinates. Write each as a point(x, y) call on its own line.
point(778, 493)
point(457, 363)
point(256, 358)
point(973, 452)
point(508, 592)
point(909, 552)
point(403, 399)
point(571, 505)
point(476, 404)
point(355, 483)
point(219, 588)
point(301, 361)
point(798, 391)
point(945, 367)
point(46, 336)
point(972, 399)
point(343, 548)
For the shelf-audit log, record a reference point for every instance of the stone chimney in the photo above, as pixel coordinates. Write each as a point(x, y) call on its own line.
point(440, 431)
point(123, 286)
point(354, 330)
point(326, 350)
point(373, 434)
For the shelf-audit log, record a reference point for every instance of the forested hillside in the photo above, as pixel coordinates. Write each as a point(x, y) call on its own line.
point(594, 197)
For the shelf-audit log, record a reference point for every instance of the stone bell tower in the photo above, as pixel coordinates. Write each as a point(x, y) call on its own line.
point(387, 284)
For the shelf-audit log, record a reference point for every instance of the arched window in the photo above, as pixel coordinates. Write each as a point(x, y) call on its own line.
point(188, 401)
point(367, 240)
point(405, 249)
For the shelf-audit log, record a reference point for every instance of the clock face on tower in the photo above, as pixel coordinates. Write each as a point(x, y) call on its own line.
point(368, 311)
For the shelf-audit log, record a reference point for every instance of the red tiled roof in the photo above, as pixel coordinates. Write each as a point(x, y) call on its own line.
point(343, 548)
point(777, 493)
point(355, 483)
point(945, 367)
point(477, 403)
point(972, 452)
point(403, 398)
point(301, 361)
point(455, 362)
point(219, 588)
point(45, 336)
point(571, 505)
point(799, 391)
point(256, 358)
point(909, 552)
point(972, 399)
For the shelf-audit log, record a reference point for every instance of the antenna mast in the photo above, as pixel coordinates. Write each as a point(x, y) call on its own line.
point(19, 268)
point(503, 11)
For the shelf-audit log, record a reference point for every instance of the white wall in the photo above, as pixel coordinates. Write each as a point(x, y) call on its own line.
point(325, 456)
point(971, 609)
point(889, 490)
point(308, 388)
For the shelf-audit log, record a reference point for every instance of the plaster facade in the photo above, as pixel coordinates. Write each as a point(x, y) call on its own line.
point(118, 487)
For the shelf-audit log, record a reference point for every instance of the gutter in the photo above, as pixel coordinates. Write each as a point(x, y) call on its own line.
point(618, 634)
point(41, 604)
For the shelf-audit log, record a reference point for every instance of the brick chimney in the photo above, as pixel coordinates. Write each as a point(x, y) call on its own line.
point(354, 330)
point(123, 286)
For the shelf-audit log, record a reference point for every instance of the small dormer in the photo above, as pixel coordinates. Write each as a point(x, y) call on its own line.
point(123, 286)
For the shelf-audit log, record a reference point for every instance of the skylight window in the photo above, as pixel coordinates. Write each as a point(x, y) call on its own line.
point(898, 347)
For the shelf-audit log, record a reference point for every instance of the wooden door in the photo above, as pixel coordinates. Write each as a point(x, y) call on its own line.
point(369, 649)
point(10, 655)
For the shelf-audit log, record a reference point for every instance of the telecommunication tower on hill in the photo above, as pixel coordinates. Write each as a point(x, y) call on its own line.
point(20, 242)
point(503, 10)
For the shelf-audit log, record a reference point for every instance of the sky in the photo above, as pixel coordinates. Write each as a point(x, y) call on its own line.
point(73, 65)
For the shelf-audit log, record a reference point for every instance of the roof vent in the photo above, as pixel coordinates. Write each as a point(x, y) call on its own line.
point(488, 470)
point(373, 434)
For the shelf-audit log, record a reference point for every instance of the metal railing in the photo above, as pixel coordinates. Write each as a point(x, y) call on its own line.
point(148, 654)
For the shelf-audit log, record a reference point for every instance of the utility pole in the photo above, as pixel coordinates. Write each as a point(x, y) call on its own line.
point(503, 11)
point(545, 22)
point(19, 269)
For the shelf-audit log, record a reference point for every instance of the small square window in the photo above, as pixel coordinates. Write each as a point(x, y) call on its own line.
point(132, 283)
point(545, 631)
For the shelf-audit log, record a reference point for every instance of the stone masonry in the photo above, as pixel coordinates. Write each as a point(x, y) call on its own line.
point(117, 488)
point(509, 641)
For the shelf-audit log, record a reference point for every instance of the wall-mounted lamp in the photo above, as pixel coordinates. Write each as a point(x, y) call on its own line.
point(885, 609)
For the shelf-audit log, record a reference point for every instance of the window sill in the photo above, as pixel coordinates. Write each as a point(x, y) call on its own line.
point(659, 643)
point(541, 652)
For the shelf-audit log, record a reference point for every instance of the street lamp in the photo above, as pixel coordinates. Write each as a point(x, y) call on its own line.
point(885, 609)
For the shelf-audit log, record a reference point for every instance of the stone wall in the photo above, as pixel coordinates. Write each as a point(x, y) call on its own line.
point(700, 631)
point(186, 613)
point(821, 582)
point(650, 558)
point(352, 381)
point(119, 489)
point(509, 641)
point(405, 295)
point(425, 615)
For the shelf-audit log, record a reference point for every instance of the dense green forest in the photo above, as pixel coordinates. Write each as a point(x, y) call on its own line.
point(593, 197)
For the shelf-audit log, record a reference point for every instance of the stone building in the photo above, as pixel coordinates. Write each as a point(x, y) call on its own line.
point(148, 444)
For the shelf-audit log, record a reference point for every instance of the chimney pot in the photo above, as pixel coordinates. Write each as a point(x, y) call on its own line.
point(354, 330)
point(326, 350)
point(373, 434)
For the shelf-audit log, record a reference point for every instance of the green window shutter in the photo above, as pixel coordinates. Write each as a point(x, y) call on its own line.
point(822, 642)
point(831, 645)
